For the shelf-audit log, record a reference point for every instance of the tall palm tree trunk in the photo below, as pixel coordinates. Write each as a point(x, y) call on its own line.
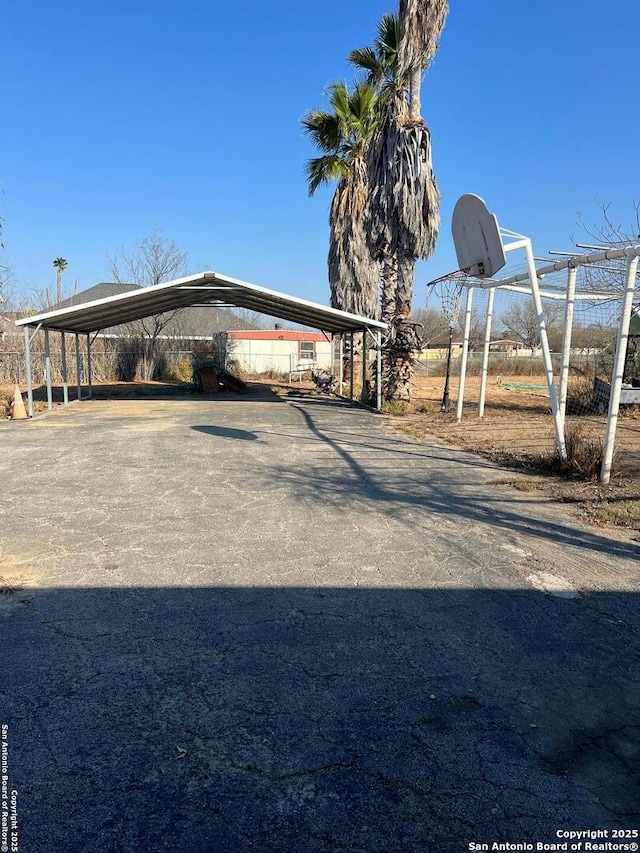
point(388, 287)
point(415, 107)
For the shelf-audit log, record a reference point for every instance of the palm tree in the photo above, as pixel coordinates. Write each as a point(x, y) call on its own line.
point(380, 64)
point(60, 264)
point(404, 215)
point(344, 134)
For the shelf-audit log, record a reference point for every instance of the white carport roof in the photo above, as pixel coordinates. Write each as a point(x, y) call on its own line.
point(206, 288)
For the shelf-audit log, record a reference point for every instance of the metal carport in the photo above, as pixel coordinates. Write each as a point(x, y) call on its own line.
point(201, 290)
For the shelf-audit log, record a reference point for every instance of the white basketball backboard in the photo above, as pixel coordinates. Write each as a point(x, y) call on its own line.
point(477, 237)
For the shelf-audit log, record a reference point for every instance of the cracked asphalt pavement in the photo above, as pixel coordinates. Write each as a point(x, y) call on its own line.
point(273, 624)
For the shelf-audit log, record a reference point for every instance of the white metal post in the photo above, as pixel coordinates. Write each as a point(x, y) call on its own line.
point(379, 370)
point(89, 365)
point(465, 354)
point(618, 370)
point(341, 365)
point(546, 352)
point(47, 369)
point(485, 352)
point(566, 341)
point(332, 356)
point(351, 367)
point(63, 356)
point(364, 397)
point(78, 368)
point(27, 364)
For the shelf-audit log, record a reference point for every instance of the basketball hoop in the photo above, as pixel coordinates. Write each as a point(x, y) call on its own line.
point(448, 289)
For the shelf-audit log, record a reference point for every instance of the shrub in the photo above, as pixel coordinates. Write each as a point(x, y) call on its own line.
point(584, 455)
point(582, 399)
point(395, 407)
point(181, 371)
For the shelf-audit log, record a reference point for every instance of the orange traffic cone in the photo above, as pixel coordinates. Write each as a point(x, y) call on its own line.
point(18, 411)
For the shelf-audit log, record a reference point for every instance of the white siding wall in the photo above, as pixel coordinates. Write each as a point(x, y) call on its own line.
point(280, 356)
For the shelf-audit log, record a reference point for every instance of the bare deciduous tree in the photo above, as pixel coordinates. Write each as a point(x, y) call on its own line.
point(253, 319)
point(433, 324)
point(521, 322)
point(607, 232)
point(152, 260)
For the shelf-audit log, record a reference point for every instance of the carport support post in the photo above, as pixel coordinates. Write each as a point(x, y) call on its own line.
point(485, 352)
point(47, 369)
point(63, 355)
point(341, 365)
point(89, 365)
point(78, 368)
point(618, 370)
point(365, 346)
point(27, 364)
point(379, 370)
point(351, 366)
point(465, 354)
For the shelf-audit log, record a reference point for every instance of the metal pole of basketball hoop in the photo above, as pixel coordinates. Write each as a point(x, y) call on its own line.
point(446, 400)
point(481, 250)
point(522, 242)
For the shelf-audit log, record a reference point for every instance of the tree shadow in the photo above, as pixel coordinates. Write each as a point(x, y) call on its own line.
point(444, 494)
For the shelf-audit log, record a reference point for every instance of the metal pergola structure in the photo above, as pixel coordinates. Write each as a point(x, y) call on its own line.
point(528, 283)
point(206, 289)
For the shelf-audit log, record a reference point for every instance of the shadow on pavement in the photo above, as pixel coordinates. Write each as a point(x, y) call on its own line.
point(443, 493)
point(227, 432)
point(323, 719)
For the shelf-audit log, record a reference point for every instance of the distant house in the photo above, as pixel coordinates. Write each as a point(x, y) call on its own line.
point(102, 290)
point(510, 347)
point(186, 324)
point(278, 350)
point(438, 348)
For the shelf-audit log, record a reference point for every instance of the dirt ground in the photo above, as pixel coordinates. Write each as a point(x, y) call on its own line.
point(516, 431)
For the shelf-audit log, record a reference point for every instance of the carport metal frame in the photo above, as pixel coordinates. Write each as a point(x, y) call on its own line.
point(202, 290)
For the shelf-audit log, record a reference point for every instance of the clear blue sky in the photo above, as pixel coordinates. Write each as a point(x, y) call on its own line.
point(119, 118)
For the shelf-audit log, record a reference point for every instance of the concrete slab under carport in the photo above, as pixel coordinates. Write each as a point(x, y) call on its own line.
point(275, 625)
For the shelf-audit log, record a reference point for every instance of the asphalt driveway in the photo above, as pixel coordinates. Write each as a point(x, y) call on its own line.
point(274, 625)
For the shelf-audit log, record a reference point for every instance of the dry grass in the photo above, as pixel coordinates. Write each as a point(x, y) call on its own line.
point(517, 433)
point(395, 407)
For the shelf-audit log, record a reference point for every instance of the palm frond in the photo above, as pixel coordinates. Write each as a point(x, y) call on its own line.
point(386, 44)
point(322, 170)
point(325, 129)
point(338, 95)
point(367, 59)
point(363, 115)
